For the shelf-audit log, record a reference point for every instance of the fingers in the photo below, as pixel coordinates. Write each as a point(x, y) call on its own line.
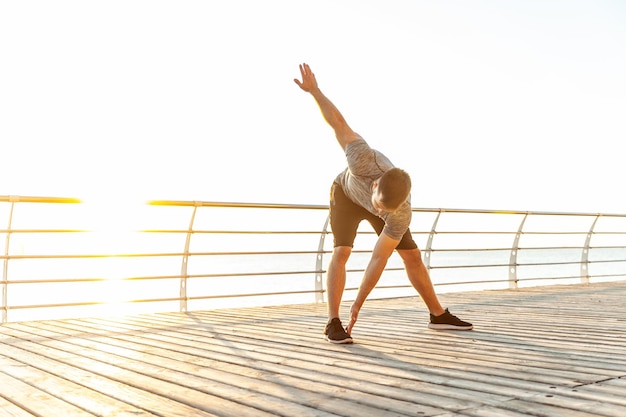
point(308, 79)
point(354, 314)
point(350, 326)
point(305, 71)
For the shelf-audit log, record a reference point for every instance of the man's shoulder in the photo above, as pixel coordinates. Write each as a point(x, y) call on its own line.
point(398, 222)
point(402, 216)
point(404, 210)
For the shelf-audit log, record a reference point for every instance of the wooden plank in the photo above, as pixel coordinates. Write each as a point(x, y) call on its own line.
point(35, 401)
point(8, 409)
point(72, 393)
point(164, 398)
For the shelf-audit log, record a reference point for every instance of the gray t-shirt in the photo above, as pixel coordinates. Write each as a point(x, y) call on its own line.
point(366, 165)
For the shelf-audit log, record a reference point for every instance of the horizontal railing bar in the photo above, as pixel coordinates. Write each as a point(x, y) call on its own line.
point(43, 231)
point(90, 303)
point(305, 232)
point(607, 247)
point(25, 199)
point(562, 278)
point(248, 253)
point(153, 277)
point(298, 272)
point(606, 261)
point(462, 250)
point(503, 265)
point(256, 253)
point(497, 281)
point(452, 232)
point(237, 205)
point(523, 248)
point(503, 232)
point(417, 210)
point(522, 233)
point(253, 274)
point(468, 250)
point(91, 256)
point(263, 294)
point(86, 280)
point(239, 232)
point(518, 264)
point(66, 200)
point(609, 275)
point(269, 253)
point(147, 255)
point(534, 213)
point(155, 300)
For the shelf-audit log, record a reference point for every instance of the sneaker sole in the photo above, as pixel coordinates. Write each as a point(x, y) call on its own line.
point(339, 342)
point(448, 327)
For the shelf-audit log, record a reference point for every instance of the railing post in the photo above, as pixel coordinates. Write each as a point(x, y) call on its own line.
point(183, 271)
point(513, 257)
point(429, 243)
point(584, 260)
point(5, 269)
point(319, 265)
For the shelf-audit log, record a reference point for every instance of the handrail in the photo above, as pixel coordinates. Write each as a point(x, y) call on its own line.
point(212, 255)
point(237, 205)
point(25, 199)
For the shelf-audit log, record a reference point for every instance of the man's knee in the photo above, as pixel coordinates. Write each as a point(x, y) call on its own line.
point(341, 255)
point(411, 256)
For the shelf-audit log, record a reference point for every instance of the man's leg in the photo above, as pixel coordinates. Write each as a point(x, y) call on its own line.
point(335, 284)
point(336, 279)
point(345, 217)
point(420, 279)
point(440, 318)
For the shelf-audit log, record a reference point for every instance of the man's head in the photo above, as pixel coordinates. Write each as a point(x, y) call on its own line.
point(391, 190)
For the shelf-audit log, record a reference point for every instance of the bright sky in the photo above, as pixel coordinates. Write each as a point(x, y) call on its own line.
point(515, 104)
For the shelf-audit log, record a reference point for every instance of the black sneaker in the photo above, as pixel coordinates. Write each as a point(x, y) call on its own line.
point(448, 321)
point(335, 332)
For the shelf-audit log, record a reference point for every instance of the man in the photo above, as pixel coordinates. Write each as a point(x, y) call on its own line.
point(371, 189)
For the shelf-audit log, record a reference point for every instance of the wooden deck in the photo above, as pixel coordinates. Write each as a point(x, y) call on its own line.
point(544, 351)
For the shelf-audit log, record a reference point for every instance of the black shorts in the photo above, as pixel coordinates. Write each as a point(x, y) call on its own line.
point(345, 217)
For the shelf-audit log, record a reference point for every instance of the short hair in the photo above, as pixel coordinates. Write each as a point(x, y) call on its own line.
point(394, 187)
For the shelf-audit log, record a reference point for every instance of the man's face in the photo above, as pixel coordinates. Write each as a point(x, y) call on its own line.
point(376, 200)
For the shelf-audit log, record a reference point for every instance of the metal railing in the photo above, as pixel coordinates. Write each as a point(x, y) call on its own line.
point(62, 257)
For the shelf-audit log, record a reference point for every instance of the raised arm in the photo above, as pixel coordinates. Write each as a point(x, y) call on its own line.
point(331, 114)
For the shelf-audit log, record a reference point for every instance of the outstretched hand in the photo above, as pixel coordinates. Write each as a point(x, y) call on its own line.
point(354, 314)
point(308, 82)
